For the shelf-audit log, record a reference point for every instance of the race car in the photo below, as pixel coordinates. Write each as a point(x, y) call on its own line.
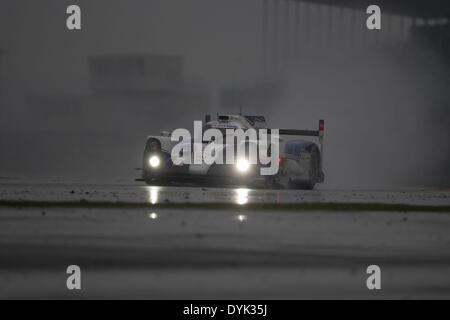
point(300, 162)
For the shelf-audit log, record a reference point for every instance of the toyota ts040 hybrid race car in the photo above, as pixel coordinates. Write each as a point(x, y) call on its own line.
point(299, 162)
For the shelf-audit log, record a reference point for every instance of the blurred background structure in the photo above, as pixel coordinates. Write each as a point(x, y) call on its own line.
point(2, 52)
point(79, 104)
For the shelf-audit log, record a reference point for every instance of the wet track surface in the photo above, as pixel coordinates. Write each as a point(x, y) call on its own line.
point(225, 254)
point(138, 192)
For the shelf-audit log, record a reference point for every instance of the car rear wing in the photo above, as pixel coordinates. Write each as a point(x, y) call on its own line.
point(309, 133)
point(295, 132)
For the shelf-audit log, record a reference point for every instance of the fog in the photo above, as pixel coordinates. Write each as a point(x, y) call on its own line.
point(383, 94)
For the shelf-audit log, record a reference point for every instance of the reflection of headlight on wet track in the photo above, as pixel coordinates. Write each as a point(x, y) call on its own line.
point(153, 195)
point(153, 216)
point(154, 161)
point(242, 165)
point(242, 196)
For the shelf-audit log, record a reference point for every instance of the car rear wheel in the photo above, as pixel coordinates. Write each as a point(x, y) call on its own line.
point(313, 173)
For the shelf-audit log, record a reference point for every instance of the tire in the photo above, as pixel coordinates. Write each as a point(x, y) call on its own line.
point(313, 172)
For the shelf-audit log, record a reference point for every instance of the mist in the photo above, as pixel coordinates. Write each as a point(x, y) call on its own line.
point(384, 96)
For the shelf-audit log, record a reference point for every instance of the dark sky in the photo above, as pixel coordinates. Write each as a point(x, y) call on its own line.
point(383, 94)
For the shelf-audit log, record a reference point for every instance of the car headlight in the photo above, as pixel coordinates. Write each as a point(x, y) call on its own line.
point(242, 165)
point(154, 161)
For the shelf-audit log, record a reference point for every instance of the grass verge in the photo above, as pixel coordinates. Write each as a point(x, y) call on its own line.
point(302, 206)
